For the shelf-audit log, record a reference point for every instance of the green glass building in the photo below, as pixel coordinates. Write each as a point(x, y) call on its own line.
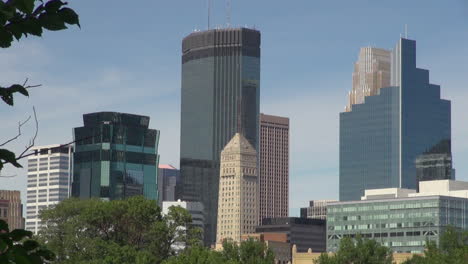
point(403, 222)
point(116, 156)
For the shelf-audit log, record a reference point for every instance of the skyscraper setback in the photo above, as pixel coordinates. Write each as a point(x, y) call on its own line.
point(382, 138)
point(220, 96)
point(274, 166)
point(371, 72)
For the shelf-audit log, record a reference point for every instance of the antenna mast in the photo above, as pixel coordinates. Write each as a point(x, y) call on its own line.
point(406, 31)
point(209, 13)
point(228, 12)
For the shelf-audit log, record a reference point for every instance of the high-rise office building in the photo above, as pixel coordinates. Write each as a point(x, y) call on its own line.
point(11, 209)
point(116, 156)
point(371, 72)
point(220, 94)
point(274, 166)
point(381, 139)
point(49, 181)
point(168, 177)
point(238, 190)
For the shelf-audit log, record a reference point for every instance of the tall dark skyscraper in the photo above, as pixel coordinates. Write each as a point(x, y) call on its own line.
point(382, 138)
point(116, 156)
point(220, 92)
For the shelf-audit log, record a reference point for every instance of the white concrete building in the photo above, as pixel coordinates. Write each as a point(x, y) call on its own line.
point(194, 208)
point(49, 180)
point(449, 188)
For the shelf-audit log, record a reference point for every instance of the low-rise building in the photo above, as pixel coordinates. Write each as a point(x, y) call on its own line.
point(401, 219)
point(311, 257)
point(303, 232)
point(276, 242)
point(317, 209)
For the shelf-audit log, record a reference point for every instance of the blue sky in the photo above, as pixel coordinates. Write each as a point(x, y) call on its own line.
point(126, 57)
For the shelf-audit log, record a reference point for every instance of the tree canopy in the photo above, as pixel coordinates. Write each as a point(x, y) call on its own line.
point(358, 250)
point(247, 252)
point(118, 231)
point(17, 247)
point(452, 249)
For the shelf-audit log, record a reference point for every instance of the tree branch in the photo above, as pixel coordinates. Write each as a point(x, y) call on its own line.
point(32, 141)
point(20, 124)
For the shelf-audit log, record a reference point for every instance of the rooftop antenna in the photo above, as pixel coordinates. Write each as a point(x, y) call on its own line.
point(209, 13)
point(228, 13)
point(406, 31)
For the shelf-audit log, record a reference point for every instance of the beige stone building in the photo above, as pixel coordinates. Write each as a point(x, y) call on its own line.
point(274, 167)
point(371, 72)
point(310, 257)
point(238, 190)
point(11, 209)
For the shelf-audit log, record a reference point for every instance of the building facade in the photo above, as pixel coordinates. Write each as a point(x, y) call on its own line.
point(220, 96)
point(116, 156)
point(49, 181)
point(371, 72)
point(274, 166)
point(276, 242)
point(168, 178)
point(381, 139)
point(238, 190)
point(195, 209)
point(401, 219)
point(317, 209)
point(11, 209)
point(304, 233)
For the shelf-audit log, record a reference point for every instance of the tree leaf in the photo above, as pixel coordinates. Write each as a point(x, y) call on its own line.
point(19, 88)
point(52, 21)
point(19, 234)
point(9, 157)
point(5, 38)
point(32, 26)
point(53, 6)
point(26, 6)
point(69, 16)
point(3, 245)
point(3, 225)
point(30, 244)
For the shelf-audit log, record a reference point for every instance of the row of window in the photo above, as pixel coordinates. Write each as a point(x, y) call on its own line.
point(381, 207)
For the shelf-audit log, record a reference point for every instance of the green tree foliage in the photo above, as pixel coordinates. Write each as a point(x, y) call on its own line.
point(18, 247)
point(359, 250)
point(21, 18)
point(119, 231)
point(248, 252)
point(453, 249)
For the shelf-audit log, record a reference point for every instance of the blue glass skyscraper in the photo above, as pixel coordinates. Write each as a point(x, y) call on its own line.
point(381, 139)
point(116, 156)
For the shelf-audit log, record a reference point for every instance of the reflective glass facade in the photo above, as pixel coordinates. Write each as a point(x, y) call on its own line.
point(116, 156)
point(402, 224)
point(381, 139)
point(220, 96)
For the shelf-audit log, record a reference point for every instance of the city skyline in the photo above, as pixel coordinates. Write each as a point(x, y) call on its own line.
point(309, 162)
